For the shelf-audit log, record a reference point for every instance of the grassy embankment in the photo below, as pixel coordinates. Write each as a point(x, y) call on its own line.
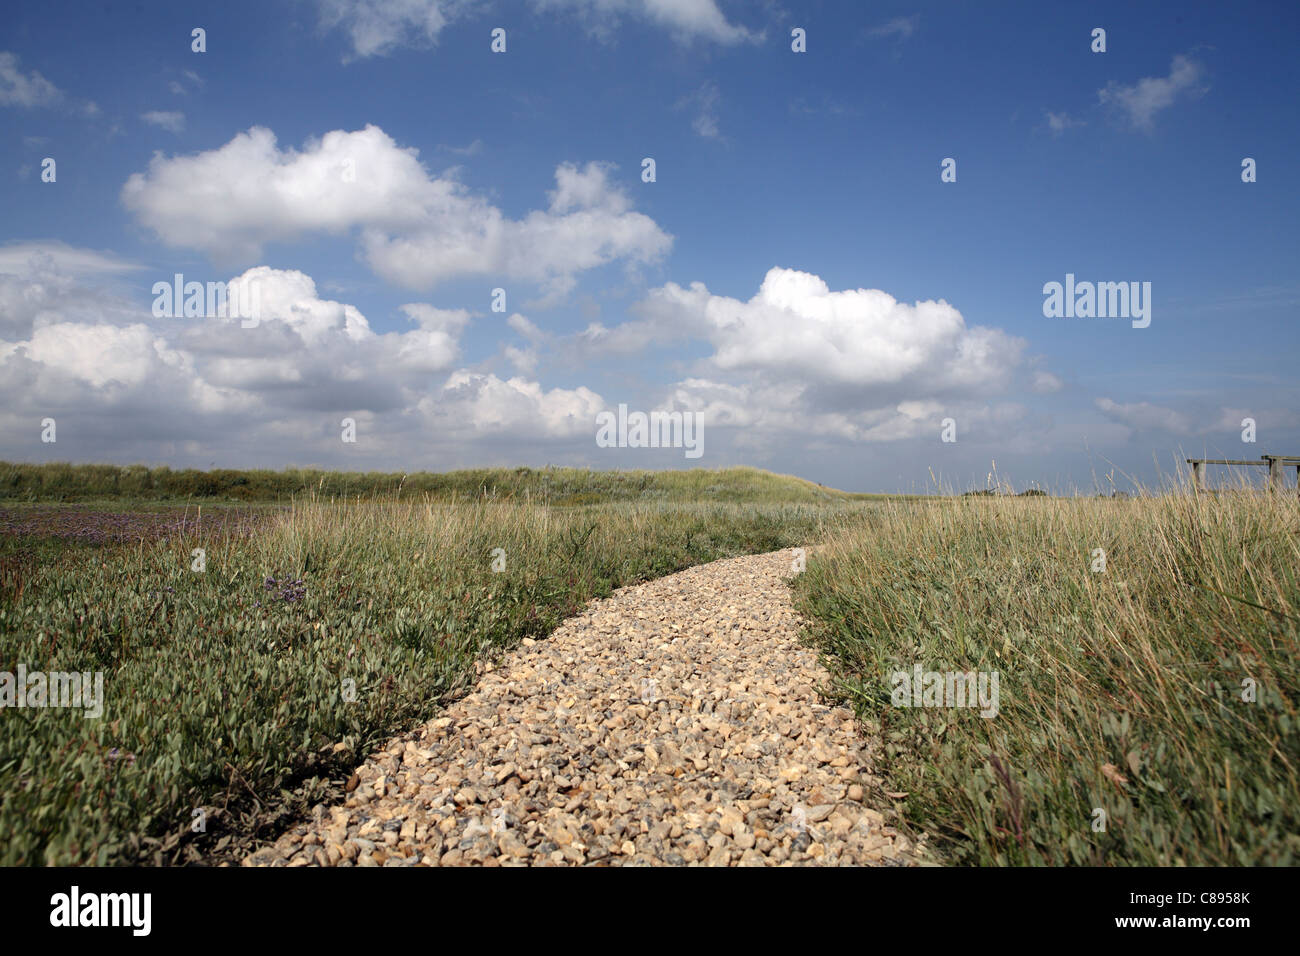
point(561, 486)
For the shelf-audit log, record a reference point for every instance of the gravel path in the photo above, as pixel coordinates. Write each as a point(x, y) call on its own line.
point(675, 722)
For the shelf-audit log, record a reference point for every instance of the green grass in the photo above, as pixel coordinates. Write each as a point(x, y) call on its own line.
point(562, 486)
point(1120, 690)
point(217, 688)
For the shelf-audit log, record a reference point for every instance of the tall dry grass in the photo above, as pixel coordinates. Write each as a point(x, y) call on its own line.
point(1160, 691)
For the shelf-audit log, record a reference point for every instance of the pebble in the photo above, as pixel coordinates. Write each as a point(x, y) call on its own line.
point(674, 723)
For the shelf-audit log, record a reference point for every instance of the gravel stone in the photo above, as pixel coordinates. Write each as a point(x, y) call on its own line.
point(675, 723)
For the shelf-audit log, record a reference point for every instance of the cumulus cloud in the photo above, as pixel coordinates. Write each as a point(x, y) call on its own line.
point(26, 90)
point(278, 391)
point(796, 369)
point(170, 120)
point(1141, 101)
point(434, 344)
point(414, 229)
point(231, 200)
point(319, 354)
point(100, 355)
point(307, 352)
point(121, 382)
point(796, 327)
point(44, 281)
point(482, 404)
point(797, 356)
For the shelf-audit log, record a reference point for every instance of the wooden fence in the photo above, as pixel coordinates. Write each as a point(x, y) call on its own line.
point(1275, 464)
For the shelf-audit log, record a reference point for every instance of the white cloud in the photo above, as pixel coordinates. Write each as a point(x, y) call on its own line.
point(472, 402)
point(585, 189)
point(799, 358)
point(1150, 95)
point(45, 256)
point(415, 230)
point(122, 383)
point(25, 89)
point(1059, 122)
point(473, 149)
point(524, 360)
point(29, 90)
point(686, 20)
point(40, 284)
point(377, 27)
point(434, 344)
point(101, 354)
point(1045, 382)
point(783, 409)
point(705, 100)
point(797, 370)
point(1145, 416)
point(795, 326)
point(1198, 418)
point(1271, 419)
point(524, 327)
point(901, 27)
point(171, 120)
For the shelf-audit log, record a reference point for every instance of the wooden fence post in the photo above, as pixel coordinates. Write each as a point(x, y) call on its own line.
point(1274, 474)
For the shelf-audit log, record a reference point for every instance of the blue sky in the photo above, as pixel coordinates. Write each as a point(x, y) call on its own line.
point(898, 301)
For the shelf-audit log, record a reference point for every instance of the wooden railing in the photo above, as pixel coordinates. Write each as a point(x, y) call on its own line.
point(1275, 465)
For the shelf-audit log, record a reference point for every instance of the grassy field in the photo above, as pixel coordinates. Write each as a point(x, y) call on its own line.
point(1147, 710)
point(322, 624)
point(249, 689)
